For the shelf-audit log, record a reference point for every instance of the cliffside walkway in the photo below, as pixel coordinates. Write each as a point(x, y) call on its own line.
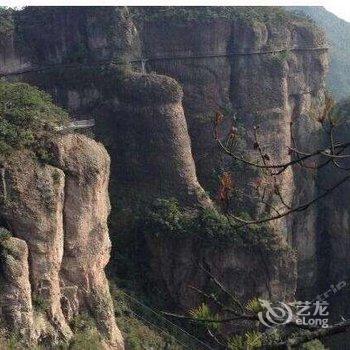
point(143, 60)
point(228, 54)
point(77, 124)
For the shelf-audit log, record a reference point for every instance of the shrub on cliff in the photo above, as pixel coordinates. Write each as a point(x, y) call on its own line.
point(140, 332)
point(252, 14)
point(165, 218)
point(150, 88)
point(86, 336)
point(4, 233)
point(28, 117)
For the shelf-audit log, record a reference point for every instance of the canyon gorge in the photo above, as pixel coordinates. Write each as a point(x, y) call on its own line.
point(152, 79)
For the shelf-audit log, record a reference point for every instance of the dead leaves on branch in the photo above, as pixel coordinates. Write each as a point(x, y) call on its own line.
point(269, 182)
point(226, 186)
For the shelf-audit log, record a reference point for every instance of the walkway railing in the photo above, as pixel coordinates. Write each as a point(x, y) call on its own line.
point(143, 60)
point(77, 124)
point(156, 320)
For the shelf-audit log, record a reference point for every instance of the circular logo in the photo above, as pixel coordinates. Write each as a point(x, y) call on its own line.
point(273, 315)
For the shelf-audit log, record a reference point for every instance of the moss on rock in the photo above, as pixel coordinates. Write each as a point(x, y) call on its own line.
point(150, 88)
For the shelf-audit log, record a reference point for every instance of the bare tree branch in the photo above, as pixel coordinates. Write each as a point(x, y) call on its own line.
point(317, 334)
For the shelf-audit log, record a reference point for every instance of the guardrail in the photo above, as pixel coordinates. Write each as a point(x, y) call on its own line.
point(156, 320)
point(77, 124)
point(144, 60)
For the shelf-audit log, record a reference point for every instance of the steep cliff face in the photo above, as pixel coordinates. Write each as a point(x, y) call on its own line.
point(77, 70)
point(249, 67)
point(151, 155)
point(16, 307)
point(270, 74)
point(58, 215)
point(269, 71)
point(248, 270)
point(334, 221)
point(39, 222)
point(337, 31)
point(71, 35)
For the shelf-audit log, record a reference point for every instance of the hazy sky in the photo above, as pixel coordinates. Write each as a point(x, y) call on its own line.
point(342, 10)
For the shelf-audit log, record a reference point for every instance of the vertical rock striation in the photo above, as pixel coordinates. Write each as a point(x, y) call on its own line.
point(16, 309)
point(86, 240)
point(152, 154)
point(60, 213)
point(269, 272)
point(270, 74)
point(268, 71)
point(36, 217)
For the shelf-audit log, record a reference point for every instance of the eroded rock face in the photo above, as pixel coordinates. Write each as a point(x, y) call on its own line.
point(267, 73)
point(59, 214)
point(334, 229)
point(271, 75)
point(152, 153)
point(16, 294)
point(248, 272)
point(73, 34)
point(86, 240)
point(34, 211)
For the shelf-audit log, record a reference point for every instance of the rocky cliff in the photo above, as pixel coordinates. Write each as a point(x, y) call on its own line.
point(52, 267)
point(337, 31)
point(264, 67)
point(270, 73)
